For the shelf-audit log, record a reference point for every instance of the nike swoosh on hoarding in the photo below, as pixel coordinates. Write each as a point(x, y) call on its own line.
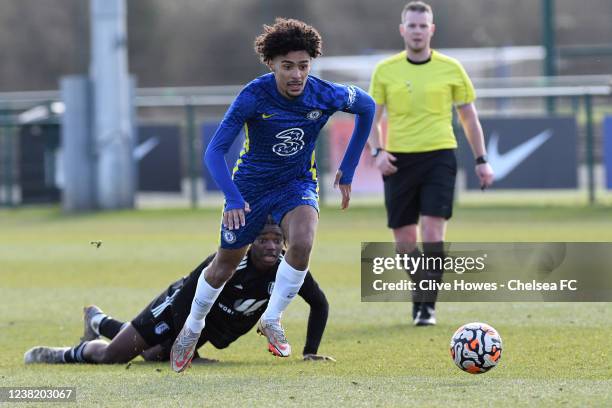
point(145, 148)
point(504, 164)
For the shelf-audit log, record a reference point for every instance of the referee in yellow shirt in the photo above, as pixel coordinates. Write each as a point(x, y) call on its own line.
point(418, 89)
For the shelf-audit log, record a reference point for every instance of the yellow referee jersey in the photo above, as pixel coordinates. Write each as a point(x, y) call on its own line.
point(419, 100)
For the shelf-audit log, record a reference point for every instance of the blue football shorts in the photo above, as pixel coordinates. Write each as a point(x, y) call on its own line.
point(277, 203)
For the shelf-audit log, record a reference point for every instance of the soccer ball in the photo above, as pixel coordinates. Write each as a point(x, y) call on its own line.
point(476, 347)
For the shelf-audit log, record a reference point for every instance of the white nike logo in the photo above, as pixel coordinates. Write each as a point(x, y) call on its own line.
point(145, 148)
point(503, 164)
point(239, 286)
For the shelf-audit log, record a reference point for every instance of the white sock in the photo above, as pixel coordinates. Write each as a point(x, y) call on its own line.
point(205, 296)
point(95, 322)
point(288, 283)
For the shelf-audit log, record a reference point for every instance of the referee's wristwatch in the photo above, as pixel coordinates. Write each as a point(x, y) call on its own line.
point(481, 160)
point(375, 151)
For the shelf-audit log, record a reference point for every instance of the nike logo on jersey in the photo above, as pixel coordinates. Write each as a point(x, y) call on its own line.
point(504, 164)
point(264, 116)
point(239, 286)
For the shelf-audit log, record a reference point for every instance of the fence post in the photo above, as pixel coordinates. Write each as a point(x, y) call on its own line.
point(193, 184)
point(7, 150)
point(588, 105)
point(3, 161)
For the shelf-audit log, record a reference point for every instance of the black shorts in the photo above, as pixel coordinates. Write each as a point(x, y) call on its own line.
point(156, 322)
point(423, 185)
point(161, 321)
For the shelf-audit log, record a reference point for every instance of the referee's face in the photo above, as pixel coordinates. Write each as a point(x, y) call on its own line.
point(291, 72)
point(416, 30)
point(267, 247)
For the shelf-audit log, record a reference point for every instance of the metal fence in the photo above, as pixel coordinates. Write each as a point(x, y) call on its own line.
point(587, 98)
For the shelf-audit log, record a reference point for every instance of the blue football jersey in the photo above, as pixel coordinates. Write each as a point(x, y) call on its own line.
point(281, 133)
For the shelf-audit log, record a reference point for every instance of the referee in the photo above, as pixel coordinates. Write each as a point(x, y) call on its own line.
point(418, 88)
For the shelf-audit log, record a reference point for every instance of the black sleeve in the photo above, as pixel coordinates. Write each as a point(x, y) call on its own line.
point(319, 310)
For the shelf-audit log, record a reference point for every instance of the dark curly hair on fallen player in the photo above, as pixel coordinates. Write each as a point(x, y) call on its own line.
point(287, 35)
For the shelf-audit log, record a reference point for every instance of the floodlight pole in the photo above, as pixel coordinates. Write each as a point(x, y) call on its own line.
point(112, 106)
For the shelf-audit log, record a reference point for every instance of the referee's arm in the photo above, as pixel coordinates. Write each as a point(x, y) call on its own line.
point(384, 160)
point(475, 137)
point(375, 138)
point(473, 130)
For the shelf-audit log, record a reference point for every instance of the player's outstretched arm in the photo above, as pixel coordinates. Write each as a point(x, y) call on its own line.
point(362, 105)
point(317, 319)
point(238, 113)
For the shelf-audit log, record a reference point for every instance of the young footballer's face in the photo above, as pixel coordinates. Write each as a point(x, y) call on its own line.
point(416, 30)
point(267, 247)
point(291, 72)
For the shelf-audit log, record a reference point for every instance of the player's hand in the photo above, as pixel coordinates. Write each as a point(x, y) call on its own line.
point(384, 162)
point(234, 219)
point(204, 360)
point(318, 357)
point(345, 189)
point(485, 173)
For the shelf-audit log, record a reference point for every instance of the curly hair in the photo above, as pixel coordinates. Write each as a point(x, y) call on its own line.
point(287, 35)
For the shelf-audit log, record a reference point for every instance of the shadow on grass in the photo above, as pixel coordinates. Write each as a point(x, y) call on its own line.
point(406, 328)
point(164, 366)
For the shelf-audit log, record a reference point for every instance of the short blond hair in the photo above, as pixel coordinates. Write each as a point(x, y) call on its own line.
point(417, 6)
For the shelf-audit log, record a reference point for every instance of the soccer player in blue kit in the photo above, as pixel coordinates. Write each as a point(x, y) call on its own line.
point(282, 113)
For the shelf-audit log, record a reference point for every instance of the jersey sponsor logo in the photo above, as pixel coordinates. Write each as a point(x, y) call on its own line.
point(226, 309)
point(504, 164)
point(248, 306)
point(314, 114)
point(229, 236)
point(291, 142)
point(244, 306)
point(264, 116)
point(352, 96)
point(161, 328)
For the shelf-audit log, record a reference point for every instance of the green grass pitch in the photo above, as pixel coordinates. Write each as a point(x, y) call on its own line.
point(555, 354)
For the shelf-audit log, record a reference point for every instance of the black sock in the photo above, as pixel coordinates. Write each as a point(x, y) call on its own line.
point(110, 327)
point(416, 276)
point(75, 354)
point(434, 255)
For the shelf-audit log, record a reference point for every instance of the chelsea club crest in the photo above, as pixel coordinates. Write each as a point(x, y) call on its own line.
point(314, 114)
point(229, 236)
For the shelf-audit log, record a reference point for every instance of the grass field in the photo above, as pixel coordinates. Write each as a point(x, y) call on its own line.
point(555, 354)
